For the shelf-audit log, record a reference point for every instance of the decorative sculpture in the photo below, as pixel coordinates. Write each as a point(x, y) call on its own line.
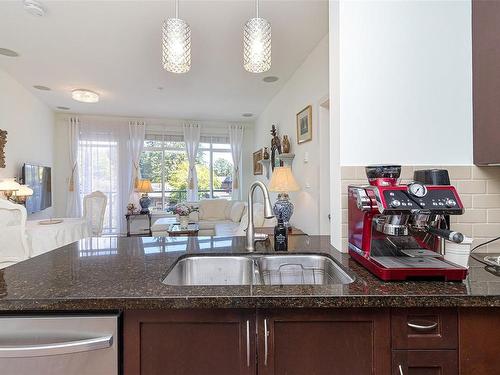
point(3, 142)
point(275, 147)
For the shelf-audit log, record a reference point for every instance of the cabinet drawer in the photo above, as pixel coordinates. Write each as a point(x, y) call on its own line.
point(424, 329)
point(428, 362)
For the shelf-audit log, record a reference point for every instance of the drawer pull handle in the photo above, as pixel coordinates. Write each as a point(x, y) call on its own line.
point(420, 327)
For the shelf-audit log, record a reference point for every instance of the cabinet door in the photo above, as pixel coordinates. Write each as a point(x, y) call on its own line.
point(486, 80)
point(479, 341)
point(189, 342)
point(424, 362)
point(317, 342)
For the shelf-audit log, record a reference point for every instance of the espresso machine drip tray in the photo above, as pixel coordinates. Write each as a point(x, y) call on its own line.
point(420, 253)
point(412, 262)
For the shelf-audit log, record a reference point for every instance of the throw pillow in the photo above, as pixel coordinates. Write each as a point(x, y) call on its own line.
point(213, 209)
point(236, 211)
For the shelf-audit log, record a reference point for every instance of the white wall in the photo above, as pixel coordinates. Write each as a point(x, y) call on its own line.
point(405, 82)
point(307, 86)
point(30, 126)
point(62, 169)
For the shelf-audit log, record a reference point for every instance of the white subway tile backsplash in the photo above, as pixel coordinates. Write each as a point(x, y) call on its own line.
point(486, 230)
point(472, 216)
point(485, 173)
point(486, 201)
point(459, 172)
point(494, 215)
point(493, 187)
point(471, 187)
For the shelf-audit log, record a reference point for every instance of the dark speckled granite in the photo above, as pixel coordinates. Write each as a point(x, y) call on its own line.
point(124, 273)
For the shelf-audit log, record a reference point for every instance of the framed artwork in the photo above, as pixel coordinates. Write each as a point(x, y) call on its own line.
point(304, 125)
point(3, 141)
point(257, 167)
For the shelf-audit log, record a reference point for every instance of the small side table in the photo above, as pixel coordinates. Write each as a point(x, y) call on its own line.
point(175, 230)
point(131, 215)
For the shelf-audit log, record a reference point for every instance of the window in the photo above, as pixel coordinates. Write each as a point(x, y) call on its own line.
point(164, 162)
point(98, 166)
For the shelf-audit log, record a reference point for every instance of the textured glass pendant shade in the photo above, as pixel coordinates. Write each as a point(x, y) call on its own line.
point(176, 45)
point(257, 44)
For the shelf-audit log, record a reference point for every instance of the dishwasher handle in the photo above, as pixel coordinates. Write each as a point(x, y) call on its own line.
point(60, 348)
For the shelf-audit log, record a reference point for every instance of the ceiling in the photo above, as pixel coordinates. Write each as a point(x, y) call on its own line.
point(113, 48)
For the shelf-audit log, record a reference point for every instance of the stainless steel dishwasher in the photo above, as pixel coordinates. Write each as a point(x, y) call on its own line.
point(59, 345)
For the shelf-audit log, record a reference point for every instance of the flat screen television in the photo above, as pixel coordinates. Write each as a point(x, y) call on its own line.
point(39, 179)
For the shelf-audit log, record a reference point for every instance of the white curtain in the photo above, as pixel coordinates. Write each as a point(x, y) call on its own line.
point(136, 133)
point(236, 141)
point(73, 206)
point(192, 139)
point(104, 161)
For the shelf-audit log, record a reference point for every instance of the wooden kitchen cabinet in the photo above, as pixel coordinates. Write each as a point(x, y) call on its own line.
point(479, 332)
point(486, 80)
point(187, 342)
point(424, 362)
point(342, 341)
point(312, 341)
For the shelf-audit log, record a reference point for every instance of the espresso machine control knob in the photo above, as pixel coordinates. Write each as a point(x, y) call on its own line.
point(450, 203)
point(395, 203)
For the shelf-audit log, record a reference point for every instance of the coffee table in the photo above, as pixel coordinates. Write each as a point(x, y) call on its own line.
point(175, 230)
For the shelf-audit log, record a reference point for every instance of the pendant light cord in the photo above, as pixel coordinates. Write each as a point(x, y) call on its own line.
point(176, 8)
point(257, 8)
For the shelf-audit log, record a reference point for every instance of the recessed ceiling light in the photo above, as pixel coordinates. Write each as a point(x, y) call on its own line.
point(8, 52)
point(270, 79)
point(85, 96)
point(43, 88)
point(63, 108)
point(34, 7)
point(247, 114)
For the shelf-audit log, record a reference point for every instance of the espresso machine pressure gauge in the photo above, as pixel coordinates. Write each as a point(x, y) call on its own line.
point(418, 190)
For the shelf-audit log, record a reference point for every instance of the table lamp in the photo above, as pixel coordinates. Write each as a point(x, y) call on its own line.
point(8, 187)
point(144, 187)
point(22, 194)
point(283, 182)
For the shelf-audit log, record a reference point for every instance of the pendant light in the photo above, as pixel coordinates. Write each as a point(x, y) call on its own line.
point(176, 44)
point(257, 44)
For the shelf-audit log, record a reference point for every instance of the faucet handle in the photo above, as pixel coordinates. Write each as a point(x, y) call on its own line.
point(261, 236)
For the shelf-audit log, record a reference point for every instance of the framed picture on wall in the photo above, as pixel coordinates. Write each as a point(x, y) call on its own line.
point(304, 125)
point(257, 167)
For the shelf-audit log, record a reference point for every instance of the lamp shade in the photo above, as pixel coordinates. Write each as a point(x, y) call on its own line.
point(24, 191)
point(144, 186)
point(9, 184)
point(283, 181)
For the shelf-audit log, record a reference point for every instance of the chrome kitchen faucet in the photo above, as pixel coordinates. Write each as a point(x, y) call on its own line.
point(253, 237)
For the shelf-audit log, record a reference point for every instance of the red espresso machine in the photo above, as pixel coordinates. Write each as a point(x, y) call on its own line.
point(398, 231)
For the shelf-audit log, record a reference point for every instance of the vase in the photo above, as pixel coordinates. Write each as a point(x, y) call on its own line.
point(184, 221)
point(286, 144)
point(283, 208)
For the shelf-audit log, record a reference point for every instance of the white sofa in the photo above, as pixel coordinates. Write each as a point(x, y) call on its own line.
point(218, 217)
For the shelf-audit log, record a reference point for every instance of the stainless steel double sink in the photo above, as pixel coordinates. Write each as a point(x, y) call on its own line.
point(257, 269)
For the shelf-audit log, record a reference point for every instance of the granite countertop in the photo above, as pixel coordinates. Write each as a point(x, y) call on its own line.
point(111, 273)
